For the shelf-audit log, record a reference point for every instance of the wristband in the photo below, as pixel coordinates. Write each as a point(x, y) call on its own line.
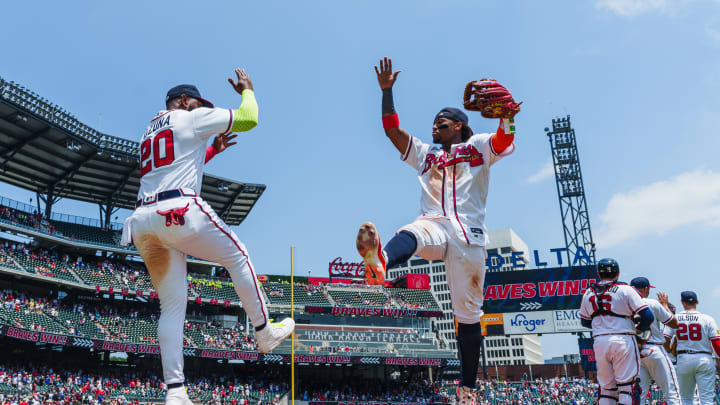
point(390, 121)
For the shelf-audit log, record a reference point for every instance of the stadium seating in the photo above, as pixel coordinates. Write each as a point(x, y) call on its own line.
point(410, 298)
point(81, 386)
point(86, 233)
point(213, 288)
point(279, 294)
point(92, 274)
point(45, 267)
point(204, 335)
point(32, 319)
point(130, 330)
point(82, 323)
point(355, 297)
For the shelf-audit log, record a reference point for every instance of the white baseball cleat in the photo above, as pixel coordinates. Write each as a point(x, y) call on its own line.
point(177, 396)
point(466, 396)
point(274, 334)
point(369, 246)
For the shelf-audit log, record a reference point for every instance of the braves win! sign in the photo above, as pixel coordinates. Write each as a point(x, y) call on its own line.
point(556, 288)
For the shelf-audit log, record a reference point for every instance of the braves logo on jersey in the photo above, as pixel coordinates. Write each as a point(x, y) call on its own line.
point(463, 153)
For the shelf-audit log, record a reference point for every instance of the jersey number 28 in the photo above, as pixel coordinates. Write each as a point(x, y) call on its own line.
point(157, 151)
point(691, 331)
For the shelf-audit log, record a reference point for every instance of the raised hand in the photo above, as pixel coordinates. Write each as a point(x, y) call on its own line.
point(222, 142)
point(385, 75)
point(243, 81)
point(663, 299)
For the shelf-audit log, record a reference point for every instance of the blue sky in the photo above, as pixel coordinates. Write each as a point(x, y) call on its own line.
point(640, 79)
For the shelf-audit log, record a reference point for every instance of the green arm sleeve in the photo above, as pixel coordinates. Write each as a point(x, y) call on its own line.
point(245, 118)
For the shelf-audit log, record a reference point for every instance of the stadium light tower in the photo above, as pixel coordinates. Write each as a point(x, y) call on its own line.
point(571, 192)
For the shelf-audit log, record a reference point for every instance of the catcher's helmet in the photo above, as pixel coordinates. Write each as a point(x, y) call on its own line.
point(608, 268)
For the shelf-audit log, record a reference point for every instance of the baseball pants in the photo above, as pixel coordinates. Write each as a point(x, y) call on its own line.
point(618, 364)
point(464, 264)
point(164, 246)
point(696, 369)
point(657, 366)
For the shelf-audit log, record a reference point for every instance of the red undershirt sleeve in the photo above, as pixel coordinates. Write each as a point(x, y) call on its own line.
point(210, 153)
point(502, 138)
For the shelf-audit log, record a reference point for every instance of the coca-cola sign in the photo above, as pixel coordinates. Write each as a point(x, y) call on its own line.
point(339, 268)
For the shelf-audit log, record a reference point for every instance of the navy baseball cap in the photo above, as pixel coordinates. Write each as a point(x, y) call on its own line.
point(190, 91)
point(641, 282)
point(688, 296)
point(453, 113)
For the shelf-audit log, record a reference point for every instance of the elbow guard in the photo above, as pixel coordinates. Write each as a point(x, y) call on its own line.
point(646, 318)
point(586, 322)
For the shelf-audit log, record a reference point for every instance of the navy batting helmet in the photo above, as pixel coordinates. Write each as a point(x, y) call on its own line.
point(608, 268)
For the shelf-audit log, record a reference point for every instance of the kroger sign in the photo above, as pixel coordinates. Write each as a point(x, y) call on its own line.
point(528, 322)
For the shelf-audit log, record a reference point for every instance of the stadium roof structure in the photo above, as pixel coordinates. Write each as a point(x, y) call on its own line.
point(45, 149)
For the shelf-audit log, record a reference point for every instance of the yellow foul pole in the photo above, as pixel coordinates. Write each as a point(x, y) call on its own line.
point(292, 337)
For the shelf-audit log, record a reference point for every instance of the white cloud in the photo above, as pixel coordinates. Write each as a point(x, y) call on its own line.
point(629, 8)
point(658, 208)
point(716, 292)
point(544, 173)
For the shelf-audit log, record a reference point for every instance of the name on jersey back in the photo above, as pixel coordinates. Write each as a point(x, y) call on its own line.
point(157, 124)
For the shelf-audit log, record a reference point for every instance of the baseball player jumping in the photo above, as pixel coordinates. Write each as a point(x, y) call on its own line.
point(171, 220)
point(697, 336)
point(454, 176)
point(608, 308)
point(655, 364)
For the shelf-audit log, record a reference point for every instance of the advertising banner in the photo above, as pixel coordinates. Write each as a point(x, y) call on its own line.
point(349, 358)
point(492, 325)
point(386, 312)
point(568, 320)
point(550, 289)
point(587, 354)
point(523, 323)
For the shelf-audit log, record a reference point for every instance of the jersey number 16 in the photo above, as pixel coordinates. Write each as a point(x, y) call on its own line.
point(157, 151)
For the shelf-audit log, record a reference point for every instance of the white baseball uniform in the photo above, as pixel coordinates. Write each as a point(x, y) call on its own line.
point(451, 225)
point(695, 365)
point(657, 365)
point(172, 155)
point(616, 350)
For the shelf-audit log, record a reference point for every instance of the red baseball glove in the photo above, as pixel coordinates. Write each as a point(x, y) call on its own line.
point(491, 98)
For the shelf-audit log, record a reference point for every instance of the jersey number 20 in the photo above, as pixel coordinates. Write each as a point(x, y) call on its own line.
point(692, 331)
point(157, 151)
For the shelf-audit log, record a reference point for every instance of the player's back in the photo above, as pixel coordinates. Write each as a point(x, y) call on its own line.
point(172, 149)
point(612, 308)
point(662, 316)
point(694, 332)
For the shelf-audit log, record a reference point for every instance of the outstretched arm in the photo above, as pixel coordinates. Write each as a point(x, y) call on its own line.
point(504, 136)
point(386, 78)
point(244, 118)
point(220, 143)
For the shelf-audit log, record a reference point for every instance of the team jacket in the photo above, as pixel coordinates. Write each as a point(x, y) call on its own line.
point(455, 185)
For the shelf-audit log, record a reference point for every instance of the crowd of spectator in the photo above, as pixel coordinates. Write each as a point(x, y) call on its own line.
point(33, 220)
point(371, 390)
point(28, 384)
point(548, 391)
point(215, 336)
